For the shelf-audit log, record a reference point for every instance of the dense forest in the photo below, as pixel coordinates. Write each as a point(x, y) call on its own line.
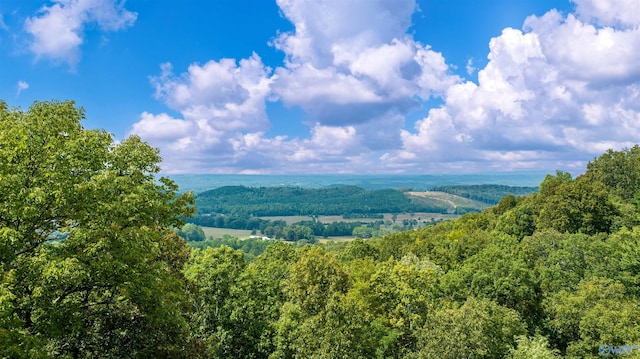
point(92, 267)
point(287, 201)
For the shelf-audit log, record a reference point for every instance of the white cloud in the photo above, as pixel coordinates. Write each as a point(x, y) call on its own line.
point(161, 127)
point(218, 101)
point(22, 85)
point(351, 66)
point(556, 94)
point(58, 30)
point(585, 52)
point(348, 62)
point(470, 68)
point(229, 96)
point(553, 94)
point(323, 26)
point(620, 13)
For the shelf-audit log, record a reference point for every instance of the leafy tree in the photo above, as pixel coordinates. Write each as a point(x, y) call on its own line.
point(618, 170)
point(551, 182)
point(478, 329)
point(90, 265)
point(597, 313)
point(398, 295)
point(258, 298)
point(506, 203)
point(518, 221)
point(313, 278)
point(500, 276)
point(580, 206)
point(536, 347)
point(297, 232)
point(216, 272)
point(192, 232)
point(625, 250)
point(362, 232)
point(359, 249)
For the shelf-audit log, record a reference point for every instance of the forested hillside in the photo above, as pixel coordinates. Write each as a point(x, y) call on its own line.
point(91, 267)
point(287, 201)
point(342, 200)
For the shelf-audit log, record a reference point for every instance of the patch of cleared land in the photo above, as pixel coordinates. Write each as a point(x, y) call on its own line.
point(220, 232)
point(335, 239)
point(450, 200)
point(245, 234)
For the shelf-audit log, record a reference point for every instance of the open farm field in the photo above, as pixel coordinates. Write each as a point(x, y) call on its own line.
point(336, 239)
point(244, 234)
point(220, 232)
point(439, 198)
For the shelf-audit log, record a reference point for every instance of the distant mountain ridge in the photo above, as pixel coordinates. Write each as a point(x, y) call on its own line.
point(204, 182)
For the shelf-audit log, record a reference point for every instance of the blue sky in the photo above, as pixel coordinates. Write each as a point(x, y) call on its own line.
point(338, 86)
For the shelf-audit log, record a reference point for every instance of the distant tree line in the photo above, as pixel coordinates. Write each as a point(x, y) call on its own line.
point(277, 229)
point(235, 221)
point(251, 247)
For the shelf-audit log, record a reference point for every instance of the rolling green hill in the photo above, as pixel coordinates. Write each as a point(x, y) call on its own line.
point(286, 201)
point(344, 200)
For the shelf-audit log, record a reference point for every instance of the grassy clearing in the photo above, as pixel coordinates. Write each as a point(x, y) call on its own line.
point(441, 198)
point(335, 239)
point(220, 232)
point(244, 234)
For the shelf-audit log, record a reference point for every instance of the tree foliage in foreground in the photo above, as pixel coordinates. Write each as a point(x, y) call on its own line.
point(90, 267)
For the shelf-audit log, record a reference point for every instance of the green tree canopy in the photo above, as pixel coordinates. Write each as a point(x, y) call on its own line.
point(90, 266)
point(192, 232)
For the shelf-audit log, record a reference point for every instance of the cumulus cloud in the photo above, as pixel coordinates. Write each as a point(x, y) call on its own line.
point(553, 94)
point(350, 65)
point(58, 30)
point(348, 62)
point(617, 13)
point(217, 101)
point(556, 93)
